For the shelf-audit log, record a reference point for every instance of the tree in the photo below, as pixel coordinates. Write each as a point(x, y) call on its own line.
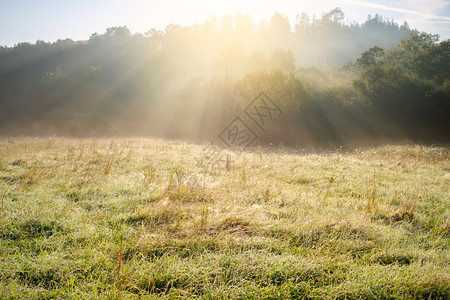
point(334, 16)
point(417, 43)
point(434, 62)
point(370, 57)
point(302, 23)
point(230, 58)
point(404, 54)
point(256, 60)
point(286, 88)
point(280, 23)
point(282, 59)
point(117, 33)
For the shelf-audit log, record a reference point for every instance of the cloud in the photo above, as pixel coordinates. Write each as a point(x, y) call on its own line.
point(429, 6)
point(427, 10)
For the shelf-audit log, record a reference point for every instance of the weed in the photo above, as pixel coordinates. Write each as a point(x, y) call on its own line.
point(372, 205)
point(18, 162)
point(149, 173)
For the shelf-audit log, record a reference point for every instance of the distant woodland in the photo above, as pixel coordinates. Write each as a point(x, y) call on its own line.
point(336, 82)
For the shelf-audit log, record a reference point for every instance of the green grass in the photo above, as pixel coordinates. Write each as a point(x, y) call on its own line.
point(89, 219)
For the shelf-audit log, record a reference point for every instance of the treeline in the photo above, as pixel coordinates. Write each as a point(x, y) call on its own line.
point(402, 93)
point(335, 82)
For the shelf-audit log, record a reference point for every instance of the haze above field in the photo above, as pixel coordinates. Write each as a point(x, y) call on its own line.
point(49, 20)
point(328, 79)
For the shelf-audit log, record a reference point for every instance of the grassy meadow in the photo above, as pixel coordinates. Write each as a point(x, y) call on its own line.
point(142, 218)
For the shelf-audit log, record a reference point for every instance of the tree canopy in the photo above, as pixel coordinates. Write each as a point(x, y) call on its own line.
point(335, 82)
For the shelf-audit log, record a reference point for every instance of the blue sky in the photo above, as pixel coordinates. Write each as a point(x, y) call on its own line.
point(49, 20)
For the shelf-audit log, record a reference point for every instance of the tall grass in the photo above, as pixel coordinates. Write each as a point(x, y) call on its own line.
point(131, 218)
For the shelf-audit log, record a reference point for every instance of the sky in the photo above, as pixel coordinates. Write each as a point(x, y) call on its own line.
point(50, 20)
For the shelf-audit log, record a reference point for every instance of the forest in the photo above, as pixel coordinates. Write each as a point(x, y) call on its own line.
point(232, 159)
point(334, 81)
